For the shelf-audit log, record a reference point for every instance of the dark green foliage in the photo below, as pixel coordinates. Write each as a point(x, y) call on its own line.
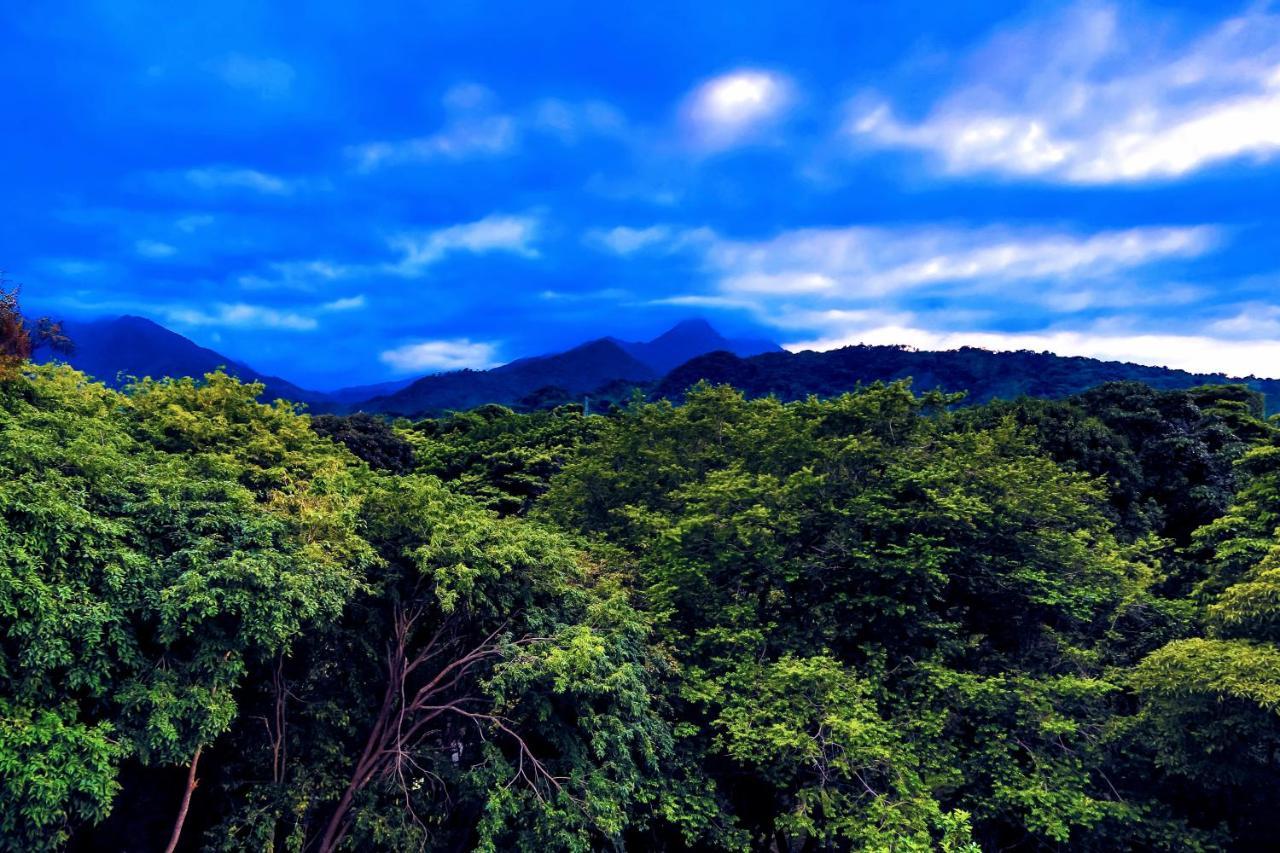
point(503, 459)
point(368, 437)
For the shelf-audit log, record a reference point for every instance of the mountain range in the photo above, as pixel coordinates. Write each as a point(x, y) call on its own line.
point(115, 349)
point(607, 369)
point(573, 373)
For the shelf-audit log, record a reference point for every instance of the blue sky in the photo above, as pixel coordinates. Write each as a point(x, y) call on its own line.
point(338, 193)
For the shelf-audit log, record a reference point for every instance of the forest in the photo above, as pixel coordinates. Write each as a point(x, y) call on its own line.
point(878, 621)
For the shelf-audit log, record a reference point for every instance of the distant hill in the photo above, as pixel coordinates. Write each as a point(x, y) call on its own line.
point(119, 347)
point(574, 372)
point(608, 370)
point(982, 373)
point(687, 340)
point(550, 379)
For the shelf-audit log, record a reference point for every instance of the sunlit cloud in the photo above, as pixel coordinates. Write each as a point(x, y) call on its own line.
point(734, 107)
point(452, 354)
point(1093, 97)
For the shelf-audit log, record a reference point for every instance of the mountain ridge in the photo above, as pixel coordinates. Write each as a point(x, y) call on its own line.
point(982, 374)
point(609, 368)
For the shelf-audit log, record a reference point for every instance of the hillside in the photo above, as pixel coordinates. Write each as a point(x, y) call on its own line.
point(690, 339)
point(983, 374)
point(119, 347)
point(577, 371)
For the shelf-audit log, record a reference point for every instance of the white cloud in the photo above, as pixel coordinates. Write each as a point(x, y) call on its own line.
point(625, 241)
point(1252, 321)
point(243, 316)
point(154, 249)
point(469, 96)
point(1090, 98)
point(731, 108)
point(612, 294)
point(220, 178)
point(269, 78)
point(347, 303)
point(475, 127)
point(297, 275)
point(512, 234)
point(1196, 353)
point(861, 262)
point(571, 121)
point(193, 222)
point(76, 268)
point(487, 135)
point(452, 354)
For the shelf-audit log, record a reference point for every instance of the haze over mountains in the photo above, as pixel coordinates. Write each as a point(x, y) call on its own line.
point(610, 369)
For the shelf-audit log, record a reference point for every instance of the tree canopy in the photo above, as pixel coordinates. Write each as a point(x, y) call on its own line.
point(871, 622)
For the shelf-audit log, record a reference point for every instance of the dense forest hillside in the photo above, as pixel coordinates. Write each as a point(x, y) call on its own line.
point(983, 374)
point(872, 622)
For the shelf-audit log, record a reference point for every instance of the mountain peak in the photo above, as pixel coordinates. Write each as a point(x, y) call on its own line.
point(693, 326)
point(689, 339)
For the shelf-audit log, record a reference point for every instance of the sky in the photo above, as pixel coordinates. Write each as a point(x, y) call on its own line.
point(342, 193)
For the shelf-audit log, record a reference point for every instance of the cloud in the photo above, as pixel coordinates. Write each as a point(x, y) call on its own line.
point(347, 303)
point(269, 78)
point(1089, 97)
point(487, 135)
point(475, 127)
point(572, 121)
point(863, 262)
point(625, 241)
point(240, 315)
point(1196, 353)
point(297, 275)
point(734, 107)
point(452, 354)
point(229, 178)
point(511, 234)
point(154, 249)
point(75, 267)
point(1252, 321)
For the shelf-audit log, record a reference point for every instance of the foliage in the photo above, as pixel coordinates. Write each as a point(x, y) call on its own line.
point(873, 622)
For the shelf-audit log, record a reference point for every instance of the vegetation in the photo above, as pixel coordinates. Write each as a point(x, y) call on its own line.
point(874, 622)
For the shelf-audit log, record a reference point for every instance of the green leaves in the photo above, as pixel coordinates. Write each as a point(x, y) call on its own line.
point(154, 545)
point(55, 772)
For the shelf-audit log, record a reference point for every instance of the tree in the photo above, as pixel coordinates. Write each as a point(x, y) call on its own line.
point(18, 340)
point(150, 561)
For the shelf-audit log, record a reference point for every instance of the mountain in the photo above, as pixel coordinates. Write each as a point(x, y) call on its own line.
point(574, 372)
point(360, 393)
point(116, 347)
point(982, 373)
point(547, 379)
point(687, 340)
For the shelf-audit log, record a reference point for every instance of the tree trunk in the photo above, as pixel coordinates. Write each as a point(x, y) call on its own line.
point(186, 802)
